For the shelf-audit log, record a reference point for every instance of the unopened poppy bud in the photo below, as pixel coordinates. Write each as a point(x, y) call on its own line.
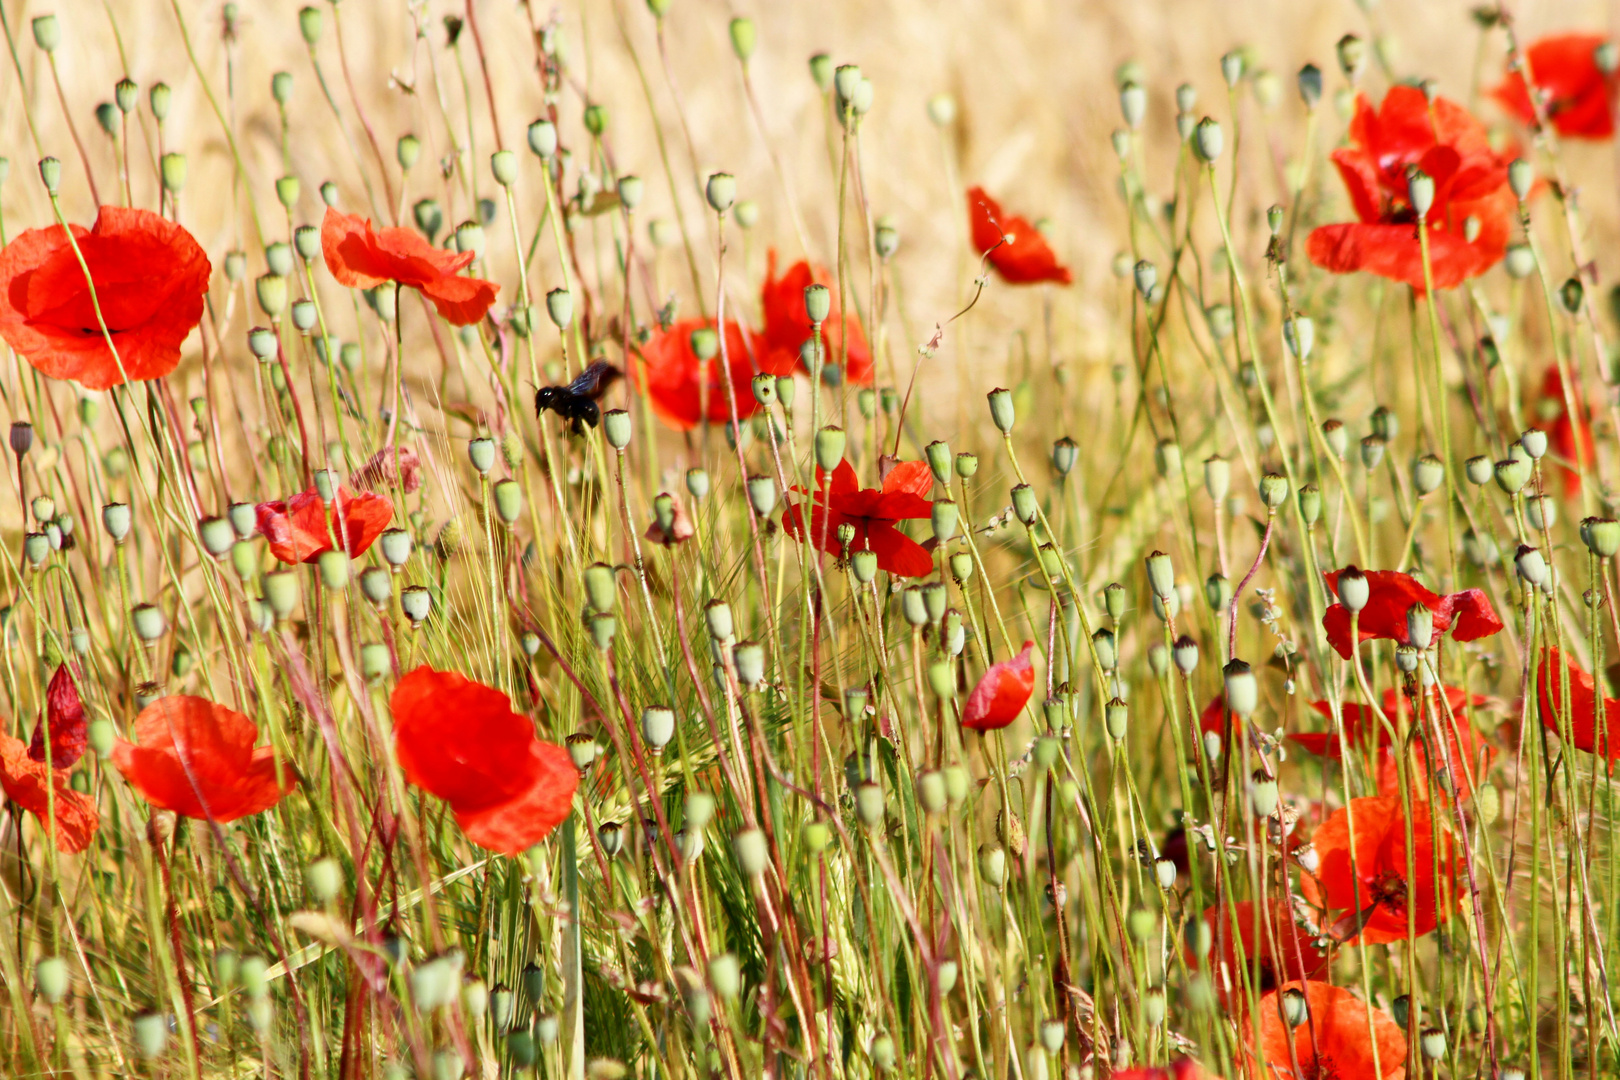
point(962, 566)
point(721, 191)
point(303, 315)
point(1273, 490)
point(1242, 688)
point(657, 726)
point(1433, 1043)
point(543, 138)
point(1420, 191)
point(596, 119)
point(115, 518)
point(1542, 512)
point(1207, 140)
point(1001, 410)
point(1512, 474)
point(417, 604)
point(1117, 718)
point(310, 24)
point(1520, 261)
point(1571, 293)
point(271, 290)
point(1602, 536)
point(173, 171)
point(481, 452)
point(1531, 565)
point(749, 658)
point(1161, 574)
point(967, 464)
point(993, 864)
point(508, 501)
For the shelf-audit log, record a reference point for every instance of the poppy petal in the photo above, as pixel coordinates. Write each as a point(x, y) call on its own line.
point(1002, 693)
point(64, 718)
point(46, 793)
point(460, 740)
point(514, 826)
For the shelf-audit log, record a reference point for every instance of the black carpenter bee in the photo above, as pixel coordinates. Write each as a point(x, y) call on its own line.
point(576, 402)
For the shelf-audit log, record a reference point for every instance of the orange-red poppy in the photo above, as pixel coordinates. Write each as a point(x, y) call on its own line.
point(1469, 753)
point(1574, 90)
point(199, 759)
point(676, 382)
point(787, 327)
point(1184, 1069)
point(363, 257)
point(1571, 449)
point(873, 512)
point(1335, 1042)
point(46, 793)
point(461, 741)
point(1471, 195)
point(63, 723)
point(300, 528)
point(1391, 594)
point(1275, 949)
point(150, 278)
point(1375, 899)
point(1002, 693)
point(1585, 732)
point(1025, 257)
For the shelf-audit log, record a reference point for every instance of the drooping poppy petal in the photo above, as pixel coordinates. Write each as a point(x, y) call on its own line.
point(1275, 949)
point(197, 758)
point(1002, 693)
point(1025, 257)
point(514, 826)
point(1336, 1042)
point(1585, 730)
point(363, 257)
point(47, 794)
point(150, 279)
point(299, 529)
point(1575, 91)
point(1374, 899)
point(64, 719)
point(1391, 594)
point(677, 384)
point(788, 327)
point(872, 512)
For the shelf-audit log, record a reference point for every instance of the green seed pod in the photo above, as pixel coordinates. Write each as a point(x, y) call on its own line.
point(1521, 178)
point(287, 191)
point(705, 343)
point(1541, 511)
point(1208, 140)
point(334, 569)
point(503, 164)
point(631, 190)
point(764, 385)
point(1106, 649)
point(545, 1029)
point(582, 750)
point(1299, 334)
point(1531, 565)
point(1161, 574)
point(1001, 410)
point(148, 622)
point(935, 597)
point(102, 736)
point(307, 242)
point(1026, 507)
point(885, 237)
point(375, 663)
point(1354, 589)
point(508, 501)
point(1242, 689)
point(1520, 261)
point(50, 174)
point(1420, 192)
point(938, 456)
point(657, 727)
point(967, 464)
point(1273, 490)
point(601, 590)
point(1571, 293)
point(1512, 474)
point(863, 565)
point(1262, 795)
point(753, 855)
point(725, 975)
point(543, 139)
point(271, 291)
point(1296, 1009)
point(281, 87)
point(717, 616)
point(303, 315)
point(869, 804)
point(603, 627)
point(1310, 505)
point(253, 976)
point(323, 879)
point(47, 33)
point(309, 24)
point(173, 171)
point(1534, 443)
point(749, 658)
point(1117, 717)
point(962, 566)
point(530, 642)
point(762, 494)
point(1372, 451)
point(1479, 469)
point(395, 545)
point(108, 118)
point(993, 865)
point(216, 535)
point(470, 237)
point(52, 978)
point(721, 191)
point(1602, 536)
point(610, 836)
point(1433, 1043)
point(944, 518)
point(1064, 455)
point(262, 342)
point(151, 1034)
point(743, 38)
point(786, 390)
point(829, 447)
point(698, 810)
point(36, 548)
point(596, 119)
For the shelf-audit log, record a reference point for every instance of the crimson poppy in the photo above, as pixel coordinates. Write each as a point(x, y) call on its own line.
point(63, 723)
point(1391, 594)
point(787, 327)
point(299, 529)
point(1571, 449)
point(1574, 90)
point(1470, 755)
point(150, 278)
point(1025, 257)
point(1471, 195)
point(362, 257)
point(1184, 1069)
point(199, 759)
point(873, 512)
point(1001, 694)
point(1335, 1043)
point(668, 372)
point(461, 741)
point(1296, 954)
point(1378, 895)
point(47, 793)
point(1584, 732)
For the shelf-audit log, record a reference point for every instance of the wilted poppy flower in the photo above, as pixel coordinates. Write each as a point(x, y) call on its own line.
point(680, 528)
point(1391, 594)
point(873, 512)
point(362, 257)
point(1026, 257)
point(150, 279)
point(1335, 1044)
point(1375, 898)
point(198, 758)
point(1001, 694)
point(300, 528)
point(46, 793)
point(1470, 755)
point(1295, 956)
point(1471, 196)
point(1569, 448)
point(1585, 732)
point(63, 720)
point(461, 741)
point(388, 467)
point(1574, 90)
point(672, 376)
point(787, 327)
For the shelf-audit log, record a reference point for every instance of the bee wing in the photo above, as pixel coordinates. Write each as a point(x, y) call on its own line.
point(594, 379)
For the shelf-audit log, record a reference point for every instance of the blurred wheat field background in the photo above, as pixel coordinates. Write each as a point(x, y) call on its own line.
point(433, 735)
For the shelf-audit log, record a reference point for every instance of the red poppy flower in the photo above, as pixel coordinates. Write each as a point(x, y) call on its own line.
point(1025, 257)
point(300, 528)
point(198, 758)
point(873, 512)
point(1570, 449)
point(787, 327)
point(1585, 733)
point(1469, 753)
point(1335, 1044)
point(1001, 694)
point(668, 373)
point(1378, 896)
point(461, 741)
point(361, 257)
point(1185, 1069)
point(1296, 955)
point(150, 279)
point(1391, 594)
point(1574, 90)
point(63, 720)
point(1470, 182)
point(45, 792)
